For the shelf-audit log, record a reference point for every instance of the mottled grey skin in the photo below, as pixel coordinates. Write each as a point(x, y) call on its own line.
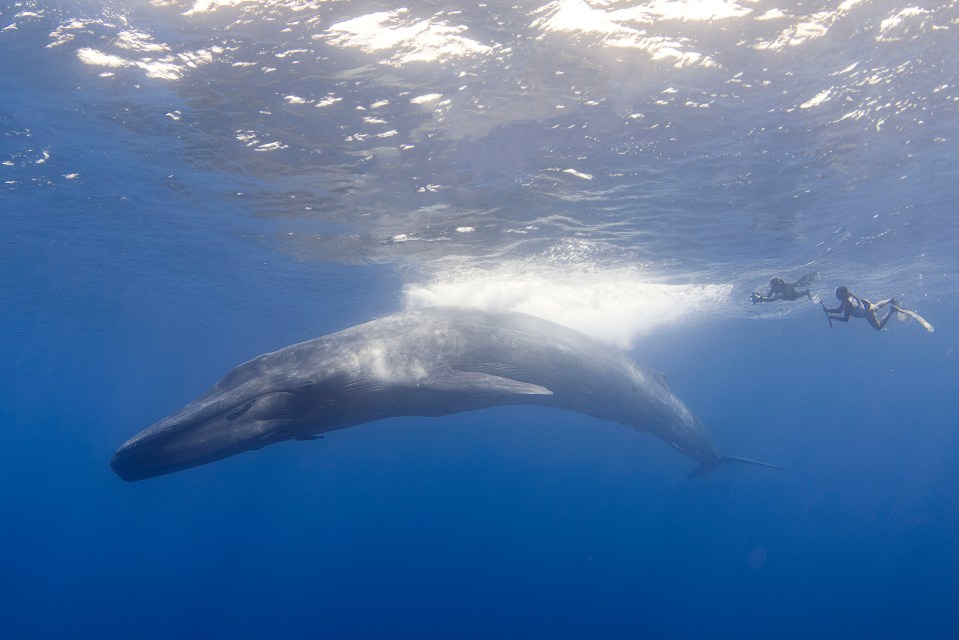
point(428, 362)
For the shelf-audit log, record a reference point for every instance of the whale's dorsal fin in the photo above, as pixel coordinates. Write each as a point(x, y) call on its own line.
point(661, 378)
point(473, 382)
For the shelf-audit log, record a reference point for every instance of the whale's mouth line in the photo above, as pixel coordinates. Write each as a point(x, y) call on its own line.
point(151, 454)
point(229, 413)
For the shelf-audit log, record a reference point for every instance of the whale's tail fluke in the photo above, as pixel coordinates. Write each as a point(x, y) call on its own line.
point(712, 465)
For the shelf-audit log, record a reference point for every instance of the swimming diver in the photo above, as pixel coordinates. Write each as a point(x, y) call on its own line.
point(850, 305)
point(779, 289)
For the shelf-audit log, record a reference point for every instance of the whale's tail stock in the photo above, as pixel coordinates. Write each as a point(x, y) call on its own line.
point(715, 463)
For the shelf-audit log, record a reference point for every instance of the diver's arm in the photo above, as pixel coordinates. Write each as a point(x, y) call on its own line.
point(833, 314)
point(841, 318)
point(772, 294)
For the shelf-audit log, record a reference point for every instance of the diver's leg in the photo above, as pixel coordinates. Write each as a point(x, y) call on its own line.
point(892, 311)
point(873, 319)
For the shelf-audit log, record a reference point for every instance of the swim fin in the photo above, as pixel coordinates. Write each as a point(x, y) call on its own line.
point(807, 279)
point(712, 465)
point(915, 316)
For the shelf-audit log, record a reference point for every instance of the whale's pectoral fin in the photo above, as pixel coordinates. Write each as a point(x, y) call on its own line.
point(309, 437)
point(483, 383)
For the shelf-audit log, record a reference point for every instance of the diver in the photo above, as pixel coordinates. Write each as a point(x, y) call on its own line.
point(852, 306)
point(779, 289)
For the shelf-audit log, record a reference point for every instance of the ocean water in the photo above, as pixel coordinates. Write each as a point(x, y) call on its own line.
point(185, 185)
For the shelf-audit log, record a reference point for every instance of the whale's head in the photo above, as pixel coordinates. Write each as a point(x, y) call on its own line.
point(198, 435)
point(247, 410)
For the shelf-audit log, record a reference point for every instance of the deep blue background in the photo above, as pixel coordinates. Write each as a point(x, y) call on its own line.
point(515, 521)
point(129, 290)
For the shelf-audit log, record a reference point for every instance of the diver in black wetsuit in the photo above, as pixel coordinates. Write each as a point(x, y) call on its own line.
point(779, 289)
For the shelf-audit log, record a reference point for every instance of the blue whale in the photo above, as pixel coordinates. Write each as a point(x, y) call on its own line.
point(428, 362)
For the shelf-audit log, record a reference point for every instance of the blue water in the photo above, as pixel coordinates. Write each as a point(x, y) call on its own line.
point(185, 186)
